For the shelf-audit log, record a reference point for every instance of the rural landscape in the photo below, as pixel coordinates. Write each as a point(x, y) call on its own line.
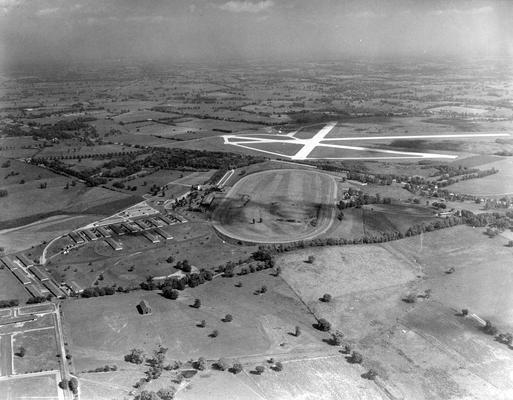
point(268, 230)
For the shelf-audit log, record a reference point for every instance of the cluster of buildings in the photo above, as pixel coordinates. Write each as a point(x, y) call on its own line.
point(150, 228)
point(34, 278)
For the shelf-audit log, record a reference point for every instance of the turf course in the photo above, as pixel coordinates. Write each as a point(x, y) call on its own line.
point(277, 206)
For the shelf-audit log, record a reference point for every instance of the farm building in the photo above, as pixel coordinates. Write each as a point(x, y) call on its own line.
point(25, 260)
point(143, 307)
point(114, 244)
point(104, 232)
point(54, 289)
point(76, 237)
point(152, 238)
point(117, 229)
point(164, 234)
point(39, 273)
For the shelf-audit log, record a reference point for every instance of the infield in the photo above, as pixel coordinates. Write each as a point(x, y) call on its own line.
point(277, 206)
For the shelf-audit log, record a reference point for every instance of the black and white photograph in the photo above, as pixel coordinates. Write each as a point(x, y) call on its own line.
point(256, 200)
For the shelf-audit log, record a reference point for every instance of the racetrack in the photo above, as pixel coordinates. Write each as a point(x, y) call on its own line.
point(277, 206)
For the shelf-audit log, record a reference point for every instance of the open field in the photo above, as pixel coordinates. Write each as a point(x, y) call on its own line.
point(498, 184)
point(196, 242)
point(102, 331)
point(28, 202)
point(291, 205)
point(41, 350)
point(330, 378)
point(34, 387)
point(10, 287)
point(422, 350)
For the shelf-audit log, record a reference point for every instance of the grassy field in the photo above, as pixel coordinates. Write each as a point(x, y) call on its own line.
point(28, 202)
point(422, 350)
point(10, 287)
point(300, 379)
point(102, 331)
point(41, 350)
point(493, 185)
point(195, 242)
point(292, 204)
point(35, 387)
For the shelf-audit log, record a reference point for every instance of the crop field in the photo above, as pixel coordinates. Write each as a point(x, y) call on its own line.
point(285, 205)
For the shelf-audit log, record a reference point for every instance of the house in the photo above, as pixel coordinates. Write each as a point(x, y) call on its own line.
point(143, 307)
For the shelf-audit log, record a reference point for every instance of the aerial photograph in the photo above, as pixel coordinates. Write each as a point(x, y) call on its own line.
point(256, 200)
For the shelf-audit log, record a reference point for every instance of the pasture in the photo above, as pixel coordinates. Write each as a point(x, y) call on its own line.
point(10, 287)
point(102, 330)
point(41, 350)
point(281, 205)
point(498, 184)
point(422, 350)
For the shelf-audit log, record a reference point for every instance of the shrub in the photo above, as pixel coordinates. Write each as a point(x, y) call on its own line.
point(214, 333)
point(260, 369)
point(297, 332)
point(202, 324)
point(197, 303)
point(166, 393)
point(489, 329)
point(311, 259)
point(228, 318)
point(370, 374)
point(410, 298)
point(278, 366)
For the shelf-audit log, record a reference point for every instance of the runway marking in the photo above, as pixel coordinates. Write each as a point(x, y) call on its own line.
point(320, 140)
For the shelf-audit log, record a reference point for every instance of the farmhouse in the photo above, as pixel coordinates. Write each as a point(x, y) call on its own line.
point(143, 307)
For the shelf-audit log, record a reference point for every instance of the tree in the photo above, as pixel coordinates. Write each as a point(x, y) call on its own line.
point(21, 352)
point(228, 318)
point(170, 259)
point(277, 271)
point(356, 358)
point(260, 369)
point(263, 289)
point(278, 366)
point(323, 325)
point(64, 384)
point(166, 393)
point(222, 364)
point(311, 259)
point(336, 338)
point(147, 395)
point(370, 374)
point(297, 332)
point(202, 324)
point(136, 356)
point(489, 329)
point(236, 368)
point(201, 364)
point(170, 293)
point(214, 333)
point(326, 297)
point(73, 385)
point(197, 303)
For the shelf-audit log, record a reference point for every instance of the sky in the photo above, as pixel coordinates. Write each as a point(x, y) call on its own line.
point(39, 31)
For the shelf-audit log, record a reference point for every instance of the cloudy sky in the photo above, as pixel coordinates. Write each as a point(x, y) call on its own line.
point(177, 30)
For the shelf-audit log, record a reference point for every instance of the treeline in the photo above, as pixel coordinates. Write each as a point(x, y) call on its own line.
point(9, 303)
point(467, 217)
point(63, 129)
